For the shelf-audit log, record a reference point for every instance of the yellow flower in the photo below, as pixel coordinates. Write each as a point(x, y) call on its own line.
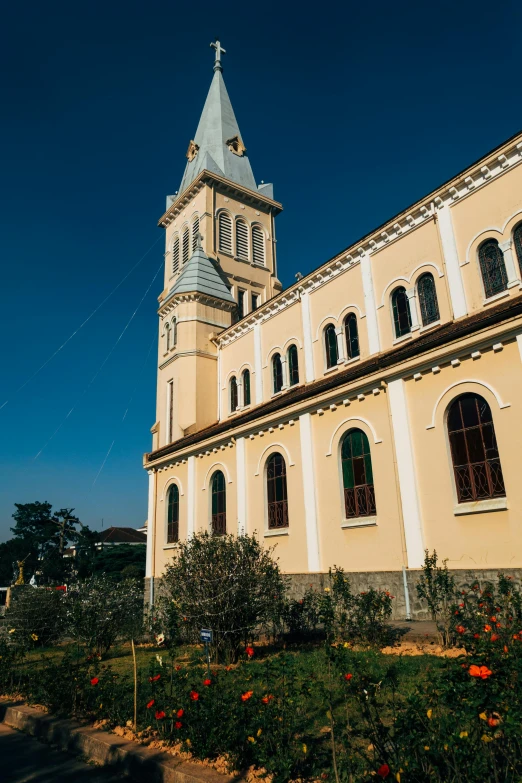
point(326, 589)
point(463, 734)
point(346, 644)
point(426, 747)
point(445, 747)
point(485, 738)
point(305, 749)
point(251, 739)
point(34, 637)
point(429, 713)
point(188, 742)
point(483, 716)
point(259, 732)
point(398, 777)
point(12, 630)
point(101, 705)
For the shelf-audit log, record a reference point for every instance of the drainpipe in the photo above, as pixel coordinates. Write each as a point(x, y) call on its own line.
point(406, 594)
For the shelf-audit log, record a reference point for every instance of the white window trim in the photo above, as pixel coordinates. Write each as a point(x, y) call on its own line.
point(283, 532)
point(359, 522)
point(481, 506)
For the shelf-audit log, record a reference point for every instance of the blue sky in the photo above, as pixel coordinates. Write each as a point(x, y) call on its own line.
point(353, 111)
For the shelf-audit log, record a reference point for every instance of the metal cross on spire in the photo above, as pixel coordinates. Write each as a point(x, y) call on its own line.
point(219, 51)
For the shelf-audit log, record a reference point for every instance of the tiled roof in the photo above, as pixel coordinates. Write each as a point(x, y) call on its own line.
point(122, 535)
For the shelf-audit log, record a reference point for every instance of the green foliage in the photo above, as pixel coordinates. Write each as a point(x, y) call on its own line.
point(127, 559)
point(98, 612)
point(36, 616)
point(437, 587)
point(226, 583)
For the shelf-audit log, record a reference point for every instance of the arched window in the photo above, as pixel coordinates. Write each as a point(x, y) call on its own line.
point(474, 452)
point(233, 394)
point(352, 336)
point(277, 373)
point(356, 462)
point(517, 239)
point(185, 249)
point(225, 232)
point(492, 268)
point(330, 345)
point(429, 306)
point(175, 254)
point(195, 232)
point(241, 239)
point(258, 245)
point(167, 337)
point(174, 332)
point(401, 311)
point(246, 387)
point(293, 366)
point(276, 494)
point(173, 514)
point(218, 520)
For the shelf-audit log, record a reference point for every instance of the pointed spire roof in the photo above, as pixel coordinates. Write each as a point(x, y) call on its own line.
point(217, 136)
point(201, 275)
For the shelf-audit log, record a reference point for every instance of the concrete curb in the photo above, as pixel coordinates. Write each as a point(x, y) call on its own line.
point(140, 763)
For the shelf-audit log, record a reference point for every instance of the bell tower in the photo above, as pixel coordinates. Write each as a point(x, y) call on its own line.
point(220, 263)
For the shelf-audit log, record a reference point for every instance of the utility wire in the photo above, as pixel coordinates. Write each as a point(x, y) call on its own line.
point(57, 351)
point(140, 375)
point(102, 365)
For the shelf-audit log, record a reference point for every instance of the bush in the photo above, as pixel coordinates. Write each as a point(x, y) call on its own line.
point(99, 611)
point(35, 617)
point(230, 585)
point(437, 587)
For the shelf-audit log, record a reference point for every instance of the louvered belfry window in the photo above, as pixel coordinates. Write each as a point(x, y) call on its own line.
point(175, 254)
point(276, 492)
point(219, 504)
point(517, 239)
point(356, 462)
point(352, 336)
point(474, 451)
point(242, 240)
point(401, 312)
point(225, 233)
point(186, 245)
point(493, 268)
point(258, 245)
point(173, 515)
point(429, 306)
point(195, 232)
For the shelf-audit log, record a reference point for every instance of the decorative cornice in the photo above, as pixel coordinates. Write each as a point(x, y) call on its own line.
point(173, 301)
point(227, 186)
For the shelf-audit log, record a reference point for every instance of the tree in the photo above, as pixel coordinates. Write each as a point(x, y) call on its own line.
point(127, 559)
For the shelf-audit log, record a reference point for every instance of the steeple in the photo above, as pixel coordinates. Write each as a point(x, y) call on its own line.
point(217, 145)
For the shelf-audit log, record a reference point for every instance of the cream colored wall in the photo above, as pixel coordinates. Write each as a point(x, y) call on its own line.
point(236, 357)
point(489, 539)
point(493, 212)
point(277, 334)
point(365, 548)
point(163, 552)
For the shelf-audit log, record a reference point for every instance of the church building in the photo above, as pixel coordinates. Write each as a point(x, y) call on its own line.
point(366, 413)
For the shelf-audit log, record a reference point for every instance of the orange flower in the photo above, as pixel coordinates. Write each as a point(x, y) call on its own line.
point(480, 671)
point(506, 648)
point(95, 681)
point(493, 722)
point(487, 628)
point(150, 704)
point(247, 695)
point(494, 637)
point(460, 629)
point(160, 714)
point(180, 713)
point(493, 619)
point(267, 699)
point(348, 677)
point(178, 668)
point(194, 695)
point(207, 682)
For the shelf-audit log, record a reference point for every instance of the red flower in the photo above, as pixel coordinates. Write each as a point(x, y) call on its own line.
point(493, 722)
point(494, 637)
point(348, 677)
point(207, 682)
point(160, 714)
point(155, 678)
point(460, 629)
point(178, 668)
point(250, 652)
point(150, 704)
point(506, 648)
point(461, 606)
point(178, 724)
point(493, 619)
point(95, 681)
point(480, 671)
point(247, 695)
point(383, 771)
point(266, 699)
point(194, 695)
point(487, 628)
point(180, 713)
point(476, 636)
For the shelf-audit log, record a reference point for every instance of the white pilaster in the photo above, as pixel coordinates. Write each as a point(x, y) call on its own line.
point(307, 337)
point(511, 268)
point(151, 526)
point(284, 371)
point(258, 363)
point(369, 305)
point(168, 417)
point(241, 486)
point(340, 345)
point(219, 384)
point(309, 494)
point(414, 313)
point(407, 475)
point(451, 259)
point(191, 497)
